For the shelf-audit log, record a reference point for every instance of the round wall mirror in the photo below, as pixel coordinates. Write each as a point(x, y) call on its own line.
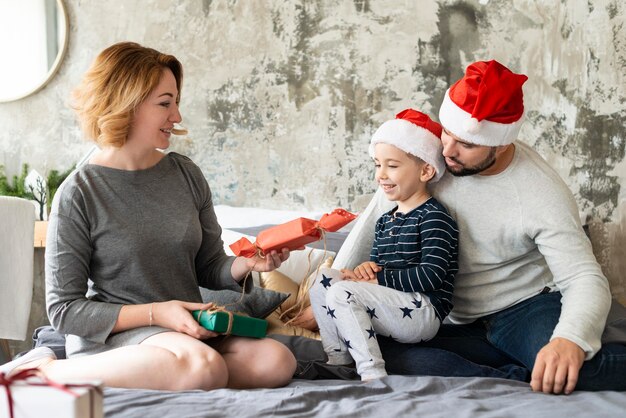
point(33, 42)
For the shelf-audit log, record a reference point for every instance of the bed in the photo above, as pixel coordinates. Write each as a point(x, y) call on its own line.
point(321, 390)
point(393, 396)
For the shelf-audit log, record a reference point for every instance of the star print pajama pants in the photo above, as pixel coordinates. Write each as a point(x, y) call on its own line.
point(351, 314)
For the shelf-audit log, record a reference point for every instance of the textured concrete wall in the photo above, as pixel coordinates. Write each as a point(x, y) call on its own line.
point(281, 97)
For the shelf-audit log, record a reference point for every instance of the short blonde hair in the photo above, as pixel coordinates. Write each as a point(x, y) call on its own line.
point(118, 81)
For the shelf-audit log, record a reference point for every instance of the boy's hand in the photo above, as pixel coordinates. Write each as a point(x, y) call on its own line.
point(347, 274)
point(363, 272)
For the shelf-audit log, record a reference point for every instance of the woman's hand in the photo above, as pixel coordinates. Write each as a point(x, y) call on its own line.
point(176, 315)
point(242, 265)
point(270, 262)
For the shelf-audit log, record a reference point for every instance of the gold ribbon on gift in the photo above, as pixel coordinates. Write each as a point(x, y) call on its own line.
point(216, 309)
point(243, 286)
point(305, 285)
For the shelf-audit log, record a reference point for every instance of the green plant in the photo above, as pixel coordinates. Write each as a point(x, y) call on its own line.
point(41, 193)
point(17, 187)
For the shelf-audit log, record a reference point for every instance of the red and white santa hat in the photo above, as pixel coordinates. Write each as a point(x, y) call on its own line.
point(415, 133)
point(486, 106)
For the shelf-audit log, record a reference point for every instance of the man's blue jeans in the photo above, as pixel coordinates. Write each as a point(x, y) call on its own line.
point(505, 345)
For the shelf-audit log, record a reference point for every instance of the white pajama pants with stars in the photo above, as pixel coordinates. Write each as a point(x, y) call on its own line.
point(351, 314)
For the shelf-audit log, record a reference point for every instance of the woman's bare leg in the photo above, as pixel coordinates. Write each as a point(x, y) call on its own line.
point(256, 363)
point(166, 361)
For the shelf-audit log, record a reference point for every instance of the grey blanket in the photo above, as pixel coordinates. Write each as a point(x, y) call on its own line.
point(335, 391)
point(393, 396)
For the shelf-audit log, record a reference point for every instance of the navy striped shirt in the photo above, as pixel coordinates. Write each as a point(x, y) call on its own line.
point(418, 252)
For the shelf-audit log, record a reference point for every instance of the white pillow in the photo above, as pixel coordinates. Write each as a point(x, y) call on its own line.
point(295, 267)
point(358, 244)
point(298, 266)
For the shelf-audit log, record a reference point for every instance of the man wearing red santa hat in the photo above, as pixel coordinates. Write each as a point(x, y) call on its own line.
point(529, 290)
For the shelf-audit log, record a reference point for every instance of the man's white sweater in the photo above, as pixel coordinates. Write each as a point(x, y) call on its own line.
point(520, 231)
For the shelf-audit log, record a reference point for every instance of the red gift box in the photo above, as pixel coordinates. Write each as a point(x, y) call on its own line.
point(293, 234)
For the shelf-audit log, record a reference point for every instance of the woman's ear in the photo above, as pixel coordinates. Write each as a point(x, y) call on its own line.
point(427, 172)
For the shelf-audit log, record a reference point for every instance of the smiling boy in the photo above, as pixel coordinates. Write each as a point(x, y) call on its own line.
point(405, 289)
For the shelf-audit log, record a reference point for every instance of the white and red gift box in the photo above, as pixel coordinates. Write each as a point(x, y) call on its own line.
point(36, 397)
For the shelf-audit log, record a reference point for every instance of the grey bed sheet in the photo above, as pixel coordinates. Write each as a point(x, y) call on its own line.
point(335, 391)
point(393, 396)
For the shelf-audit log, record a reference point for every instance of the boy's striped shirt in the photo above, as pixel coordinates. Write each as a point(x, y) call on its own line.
point(418, 252)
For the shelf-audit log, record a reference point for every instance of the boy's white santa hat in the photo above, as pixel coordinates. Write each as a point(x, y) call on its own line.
point(486, 106)
point(415, 133)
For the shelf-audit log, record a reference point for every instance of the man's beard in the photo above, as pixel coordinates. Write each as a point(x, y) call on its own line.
point(481, 166)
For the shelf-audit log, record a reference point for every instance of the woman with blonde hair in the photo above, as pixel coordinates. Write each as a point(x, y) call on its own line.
point(132, 235)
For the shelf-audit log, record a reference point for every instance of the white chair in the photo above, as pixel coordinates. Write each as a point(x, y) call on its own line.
point(17, 224)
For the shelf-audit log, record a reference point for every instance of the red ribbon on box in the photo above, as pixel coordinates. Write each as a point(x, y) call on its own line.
point(7, 381)
point(293, 234)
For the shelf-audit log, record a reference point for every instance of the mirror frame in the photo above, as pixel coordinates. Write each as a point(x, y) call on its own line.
point(56, 65)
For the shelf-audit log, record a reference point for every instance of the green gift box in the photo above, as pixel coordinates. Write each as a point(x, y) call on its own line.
point(241, 325)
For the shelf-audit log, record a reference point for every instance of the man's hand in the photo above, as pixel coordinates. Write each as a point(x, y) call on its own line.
point(556, 367)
